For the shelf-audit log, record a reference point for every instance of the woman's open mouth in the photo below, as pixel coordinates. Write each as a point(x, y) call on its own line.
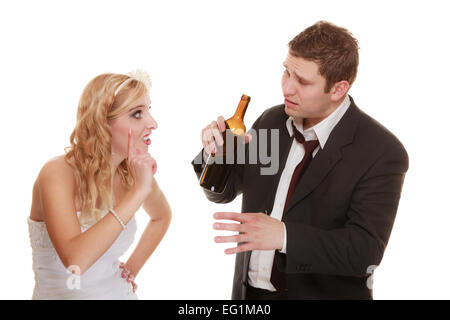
point(146, 140)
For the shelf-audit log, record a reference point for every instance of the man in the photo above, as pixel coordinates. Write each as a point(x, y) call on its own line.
point(319, 227)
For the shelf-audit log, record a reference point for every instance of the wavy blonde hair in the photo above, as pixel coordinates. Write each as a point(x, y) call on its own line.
point(89, 153)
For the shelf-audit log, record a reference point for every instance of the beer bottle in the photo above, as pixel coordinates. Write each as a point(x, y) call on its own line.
point(217, 169)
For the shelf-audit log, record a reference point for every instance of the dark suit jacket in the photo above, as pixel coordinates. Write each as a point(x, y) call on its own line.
point(341, 215)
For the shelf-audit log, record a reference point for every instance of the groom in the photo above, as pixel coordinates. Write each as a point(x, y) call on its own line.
point(317, 228)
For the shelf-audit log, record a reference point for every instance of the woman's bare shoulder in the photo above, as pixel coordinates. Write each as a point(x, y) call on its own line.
point(56, 175)
point(57, 169)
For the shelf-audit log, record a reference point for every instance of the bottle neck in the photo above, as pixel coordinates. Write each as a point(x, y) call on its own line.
point(241, 109)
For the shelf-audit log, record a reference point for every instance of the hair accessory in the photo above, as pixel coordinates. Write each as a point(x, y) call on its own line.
point(138, 75)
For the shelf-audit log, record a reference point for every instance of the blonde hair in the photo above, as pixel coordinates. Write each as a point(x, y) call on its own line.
point(89, 153)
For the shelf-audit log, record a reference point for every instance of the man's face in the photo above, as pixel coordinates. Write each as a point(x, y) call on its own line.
point(303, 90)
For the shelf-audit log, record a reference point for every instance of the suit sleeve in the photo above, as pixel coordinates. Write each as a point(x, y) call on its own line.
point(356, 248)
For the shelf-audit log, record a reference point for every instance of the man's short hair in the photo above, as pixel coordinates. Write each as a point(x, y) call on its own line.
point(333, 48)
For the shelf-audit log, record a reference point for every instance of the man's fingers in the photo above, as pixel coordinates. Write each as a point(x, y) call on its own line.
point(235, 238)
point(241, 248)
point(248, 137)
point(216, 133)
point(230, 216)
point(221, 123)
point(210, 134)
point(230, 227)
point(206, 135)
point(211, 148)
point(213, 132)
point(217, 137)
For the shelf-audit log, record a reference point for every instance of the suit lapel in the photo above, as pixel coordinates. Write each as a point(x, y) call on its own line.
point(326, 158)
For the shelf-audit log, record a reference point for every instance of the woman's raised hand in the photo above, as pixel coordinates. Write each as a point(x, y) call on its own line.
point(142, 166)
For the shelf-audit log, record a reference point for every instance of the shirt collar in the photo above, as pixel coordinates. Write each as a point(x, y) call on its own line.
point(321, 130)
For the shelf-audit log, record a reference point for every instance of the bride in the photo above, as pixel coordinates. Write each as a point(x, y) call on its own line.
point(84, 202)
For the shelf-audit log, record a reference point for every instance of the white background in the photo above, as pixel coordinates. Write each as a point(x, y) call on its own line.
point(201, 56)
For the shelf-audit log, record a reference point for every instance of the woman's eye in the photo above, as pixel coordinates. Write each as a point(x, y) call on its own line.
point(137, 114)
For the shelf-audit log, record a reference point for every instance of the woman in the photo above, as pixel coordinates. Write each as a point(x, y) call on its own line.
point(82, 214)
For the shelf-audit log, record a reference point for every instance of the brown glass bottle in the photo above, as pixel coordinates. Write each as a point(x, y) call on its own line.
point(215, 173)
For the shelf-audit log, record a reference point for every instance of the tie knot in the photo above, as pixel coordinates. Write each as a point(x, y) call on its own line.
point(297, 134)
point(309, 145)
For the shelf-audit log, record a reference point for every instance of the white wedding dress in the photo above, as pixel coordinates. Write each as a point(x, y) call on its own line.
point(101, 281)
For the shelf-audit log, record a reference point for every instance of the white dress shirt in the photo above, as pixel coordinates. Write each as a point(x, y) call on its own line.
point(260, 267)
